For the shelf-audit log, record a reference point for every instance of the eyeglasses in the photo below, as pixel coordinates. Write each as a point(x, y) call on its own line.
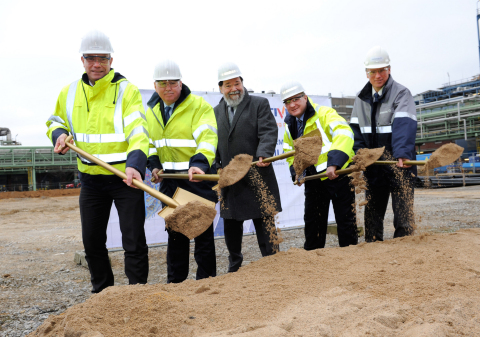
point(103, 60)
point(164, 84)
point(377, 71)
point(293, 100)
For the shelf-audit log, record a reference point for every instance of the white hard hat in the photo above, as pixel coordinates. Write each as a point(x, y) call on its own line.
point(228, 71)
point(291, 88)
point(377, 57)
point(167, 70)
point(95, 42)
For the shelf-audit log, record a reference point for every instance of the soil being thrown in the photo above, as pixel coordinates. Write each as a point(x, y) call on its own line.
point(235, 170)
point(268, 206)
point(444, 155)
point(307, 151)
point(191, 219)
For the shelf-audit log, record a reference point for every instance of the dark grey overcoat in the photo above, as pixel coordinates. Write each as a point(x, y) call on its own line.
point(254, 131)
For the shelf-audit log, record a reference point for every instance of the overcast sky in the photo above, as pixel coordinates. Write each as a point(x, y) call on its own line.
point(320, 43)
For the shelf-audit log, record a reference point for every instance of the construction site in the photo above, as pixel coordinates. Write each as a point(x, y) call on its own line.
point(425, 282)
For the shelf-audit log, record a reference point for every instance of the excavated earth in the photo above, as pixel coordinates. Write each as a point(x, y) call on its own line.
point(425, 285)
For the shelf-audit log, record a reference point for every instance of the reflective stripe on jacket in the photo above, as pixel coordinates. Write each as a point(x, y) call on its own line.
point(106, 120)
point(395, 120)
point(188, 139)
point(337, 137)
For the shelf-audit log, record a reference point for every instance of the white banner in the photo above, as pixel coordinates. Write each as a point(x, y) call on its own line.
point(292, 197)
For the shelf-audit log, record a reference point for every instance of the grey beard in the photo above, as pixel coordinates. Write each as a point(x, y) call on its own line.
point(234, 102)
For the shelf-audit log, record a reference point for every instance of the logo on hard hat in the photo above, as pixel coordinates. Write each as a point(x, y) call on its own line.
point(376, 59)
point(229, 72)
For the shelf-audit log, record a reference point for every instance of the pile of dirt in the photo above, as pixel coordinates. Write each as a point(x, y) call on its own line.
point(444, 155)
point(235, 170)
point(39, 194)
point(191, 219)
point(307, 151)
point(268, 206)
point(412, 286)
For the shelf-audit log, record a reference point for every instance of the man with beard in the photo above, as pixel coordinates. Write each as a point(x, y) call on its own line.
point(183, 131)
point(384, 114)
point(245, 126)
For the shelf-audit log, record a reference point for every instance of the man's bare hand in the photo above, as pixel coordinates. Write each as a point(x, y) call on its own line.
point(132, 174)
point(60, 146)
point(156, 173)
point(401, 164)
point(261, 163)
point(194, 170)
point(331, 172)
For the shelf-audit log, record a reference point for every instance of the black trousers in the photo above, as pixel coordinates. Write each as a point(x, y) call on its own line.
point(95, 208)
point(402, 204)
point(318, 194)
point(233, 230)
point(178, 256)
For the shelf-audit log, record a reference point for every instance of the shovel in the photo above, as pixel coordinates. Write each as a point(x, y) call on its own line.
point(444, 155)
point(246, 168)
point(208, 177)
point(363, 159)
point(180, 199)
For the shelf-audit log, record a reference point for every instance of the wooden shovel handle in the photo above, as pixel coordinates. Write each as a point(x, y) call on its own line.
point(139, 184)
point(209, 177)
point(324, 175)
point(407, 162)
point(275, 158)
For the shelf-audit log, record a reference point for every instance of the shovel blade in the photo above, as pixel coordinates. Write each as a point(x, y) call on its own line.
point(192, 217)
point(183, 197)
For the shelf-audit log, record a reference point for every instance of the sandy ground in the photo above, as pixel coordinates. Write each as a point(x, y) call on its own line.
point(425, 285)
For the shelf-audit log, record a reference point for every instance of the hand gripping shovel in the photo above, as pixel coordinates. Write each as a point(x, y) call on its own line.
point(241, 164)
point(186, 213)
point(363, 159)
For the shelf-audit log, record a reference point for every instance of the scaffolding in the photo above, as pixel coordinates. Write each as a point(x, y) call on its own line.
point(32, 160)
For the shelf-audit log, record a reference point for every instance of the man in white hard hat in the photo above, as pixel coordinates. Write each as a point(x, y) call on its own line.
point(183, 131)
point(384, 114)
point(245, 126)
point(303, 117)
point(105, 115)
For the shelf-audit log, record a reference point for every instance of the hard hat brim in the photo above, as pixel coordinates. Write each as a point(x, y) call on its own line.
point(377, 66)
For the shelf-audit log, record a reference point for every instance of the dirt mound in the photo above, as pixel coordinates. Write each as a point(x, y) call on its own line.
point(444, 155)
point(235, 170)
point(39, 194)
point(307, 151)
point(191, 219)
point(417, 285)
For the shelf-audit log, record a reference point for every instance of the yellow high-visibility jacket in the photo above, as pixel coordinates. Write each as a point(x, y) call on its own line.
point(189, 137)
point(106, 120)
point(337, 136)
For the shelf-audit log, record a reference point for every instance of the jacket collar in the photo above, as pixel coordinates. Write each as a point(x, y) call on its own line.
point(111, 77)
point(155, 99)
point(366, 93)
